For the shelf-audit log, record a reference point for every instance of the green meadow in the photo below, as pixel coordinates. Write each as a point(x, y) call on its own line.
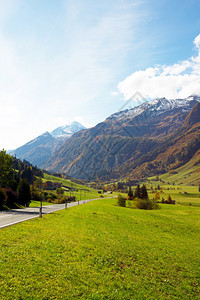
point(81, 192)
point(182, 194)
point(102, 251)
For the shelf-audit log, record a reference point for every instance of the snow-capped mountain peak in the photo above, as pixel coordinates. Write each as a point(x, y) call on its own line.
point(157, 106)
point(67, 130)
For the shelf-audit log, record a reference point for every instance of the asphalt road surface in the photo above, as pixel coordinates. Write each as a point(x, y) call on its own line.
point(15, 216)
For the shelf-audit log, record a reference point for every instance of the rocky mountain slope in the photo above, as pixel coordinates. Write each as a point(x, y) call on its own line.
point(40, 149)
point(181, 147)
point(128, 142)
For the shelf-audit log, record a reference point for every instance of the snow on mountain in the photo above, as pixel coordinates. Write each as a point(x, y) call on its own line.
point(156, 107)
point(67, 130)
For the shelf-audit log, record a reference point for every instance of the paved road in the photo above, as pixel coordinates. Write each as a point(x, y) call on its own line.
point(14, 216)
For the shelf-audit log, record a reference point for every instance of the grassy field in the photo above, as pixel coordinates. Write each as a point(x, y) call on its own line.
point(185, 195)
point(101, 251)
point(81, 192)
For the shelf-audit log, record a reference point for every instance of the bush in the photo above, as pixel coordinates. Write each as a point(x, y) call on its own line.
point(70, 198)
point(146, 204)
point(2, 197)
point(36, 195)
point(62, 200)
point(49, 200)
point(121, 201)
point(11, 198)
point(129, 204)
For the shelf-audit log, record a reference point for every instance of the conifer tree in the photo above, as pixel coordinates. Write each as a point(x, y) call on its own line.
point(144, 194)
point(24, 193)
point(169, 199)
point(130, 193)
point(137, 192)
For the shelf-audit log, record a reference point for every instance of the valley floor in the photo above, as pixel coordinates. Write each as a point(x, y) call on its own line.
point(102, 251)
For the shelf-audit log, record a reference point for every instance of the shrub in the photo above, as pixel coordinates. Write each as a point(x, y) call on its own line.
point(70, 198)
point(59, 191)
point(62, 200)
point(2, 197)
point(36, 195)
point(121, 201)
point(129, 204)
point(49, 200)
point(11, 198)
point(146, 204)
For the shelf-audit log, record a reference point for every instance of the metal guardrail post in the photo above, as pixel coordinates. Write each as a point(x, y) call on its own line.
point(40, 212)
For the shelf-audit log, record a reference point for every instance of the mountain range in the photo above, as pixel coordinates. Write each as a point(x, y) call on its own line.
point(152, 138)
point(131, 142)
point(40, 149)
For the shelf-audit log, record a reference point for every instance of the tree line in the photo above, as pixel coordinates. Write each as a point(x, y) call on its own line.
point(15, 180)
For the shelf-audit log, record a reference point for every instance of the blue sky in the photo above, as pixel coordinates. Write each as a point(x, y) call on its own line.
point(81, 60)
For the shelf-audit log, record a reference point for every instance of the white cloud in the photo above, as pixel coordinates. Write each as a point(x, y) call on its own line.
point(175, 81)
point(197, 41)
point(114, 93)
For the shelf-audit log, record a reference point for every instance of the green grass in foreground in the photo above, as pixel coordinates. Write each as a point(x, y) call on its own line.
point(101, 251)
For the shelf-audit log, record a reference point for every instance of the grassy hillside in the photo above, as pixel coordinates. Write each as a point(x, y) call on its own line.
point(66, 182)
point(80, 191)
point(101, 251)
point(189, 174)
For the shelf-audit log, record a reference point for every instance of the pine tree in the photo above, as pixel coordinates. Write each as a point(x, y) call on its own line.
point(157, 196)
point(130, 193)
point(27, 174)
point(138, 192)
point(144, 194)
point(24, 193)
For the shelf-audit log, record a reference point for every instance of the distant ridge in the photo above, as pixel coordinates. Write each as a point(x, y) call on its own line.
point(128, 142)
point(40, 149)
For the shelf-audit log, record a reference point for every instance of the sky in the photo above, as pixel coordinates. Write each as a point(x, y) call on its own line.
point(66, 60)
